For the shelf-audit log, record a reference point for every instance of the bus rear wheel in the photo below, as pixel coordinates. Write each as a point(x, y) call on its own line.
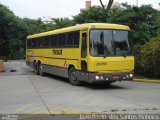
point(72, 77)
point(41, 70)
point(36, 68)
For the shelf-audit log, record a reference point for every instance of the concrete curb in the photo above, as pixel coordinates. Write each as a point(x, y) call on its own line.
point(145, 80)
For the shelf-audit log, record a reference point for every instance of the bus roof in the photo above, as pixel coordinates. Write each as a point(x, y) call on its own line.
point(80, 27)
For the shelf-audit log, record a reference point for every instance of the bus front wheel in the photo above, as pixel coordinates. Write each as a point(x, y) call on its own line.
point(72, 77)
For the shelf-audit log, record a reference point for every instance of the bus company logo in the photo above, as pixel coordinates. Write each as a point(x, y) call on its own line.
point(57, 52)
point(101, 63)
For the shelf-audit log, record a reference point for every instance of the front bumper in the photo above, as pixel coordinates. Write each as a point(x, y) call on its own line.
point(105, 77)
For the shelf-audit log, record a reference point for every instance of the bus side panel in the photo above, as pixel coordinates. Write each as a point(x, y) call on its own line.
point(56, 63)
point(59, 71)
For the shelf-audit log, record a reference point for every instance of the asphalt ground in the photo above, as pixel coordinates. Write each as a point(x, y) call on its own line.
point(28, 95)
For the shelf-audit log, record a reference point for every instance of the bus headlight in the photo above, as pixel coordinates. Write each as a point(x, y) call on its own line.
point(131, 75)
point(97, 77)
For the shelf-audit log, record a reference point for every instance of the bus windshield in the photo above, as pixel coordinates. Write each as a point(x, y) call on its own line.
point(109, 43)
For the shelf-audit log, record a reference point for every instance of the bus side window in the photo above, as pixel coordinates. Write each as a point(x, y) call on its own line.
point(54, 41)
point(84, 45)
point(40, 42)
point(46, 41)
point(29, 43)
point(73, 39)
point(34, 43)
point(62, 40)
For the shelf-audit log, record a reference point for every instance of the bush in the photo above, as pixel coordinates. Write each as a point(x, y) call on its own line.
point(148, 60)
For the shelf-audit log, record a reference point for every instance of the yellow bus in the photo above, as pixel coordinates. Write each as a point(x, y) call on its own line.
point(91, 52)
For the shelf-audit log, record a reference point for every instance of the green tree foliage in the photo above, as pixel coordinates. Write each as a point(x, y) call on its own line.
point(148, 56)
point(58, 23)
point(140, 19)
point(148, 61)
point(94, 14)
point(12, 32)
point(34, 26)
point(157, 22)
point(37, 25)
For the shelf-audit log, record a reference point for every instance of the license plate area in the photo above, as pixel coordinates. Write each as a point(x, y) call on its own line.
point(115, 77)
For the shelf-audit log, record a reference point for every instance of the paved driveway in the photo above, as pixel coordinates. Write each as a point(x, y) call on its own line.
point(24, 92)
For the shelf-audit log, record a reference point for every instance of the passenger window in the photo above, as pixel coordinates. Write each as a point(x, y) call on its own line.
point(62, 40)
point(54, 40)
point(46, 41)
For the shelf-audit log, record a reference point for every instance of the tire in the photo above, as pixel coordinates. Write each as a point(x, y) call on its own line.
point(72, 78)
point(36, 68)
point(41, 70)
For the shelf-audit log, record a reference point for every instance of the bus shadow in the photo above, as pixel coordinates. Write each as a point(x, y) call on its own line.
point(103, 86)
point(58, 78)
point(95, 86)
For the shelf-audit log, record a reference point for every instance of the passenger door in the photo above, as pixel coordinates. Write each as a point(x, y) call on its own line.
point(84, 51)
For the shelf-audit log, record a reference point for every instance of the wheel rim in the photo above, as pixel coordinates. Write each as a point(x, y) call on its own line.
point(73, 76)
point(40, 70)
point(40, 67)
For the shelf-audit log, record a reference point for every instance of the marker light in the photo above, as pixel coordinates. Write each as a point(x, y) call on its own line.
point(107, 79)
point(127, 76)
point(102, 78)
